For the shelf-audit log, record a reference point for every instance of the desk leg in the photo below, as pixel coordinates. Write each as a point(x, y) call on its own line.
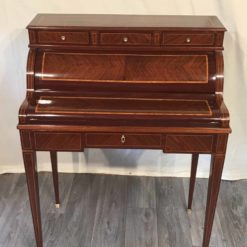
point(55, 176)
point(194, 163)
point(217, 163)
point(30, 164)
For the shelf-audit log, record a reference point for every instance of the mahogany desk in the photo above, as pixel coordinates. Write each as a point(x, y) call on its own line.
point(114, 81)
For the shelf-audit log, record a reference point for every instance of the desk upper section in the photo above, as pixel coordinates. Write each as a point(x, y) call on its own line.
point(138, 31)
point(123, 67)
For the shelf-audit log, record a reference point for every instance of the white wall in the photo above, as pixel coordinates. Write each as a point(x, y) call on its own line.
point(16, 14)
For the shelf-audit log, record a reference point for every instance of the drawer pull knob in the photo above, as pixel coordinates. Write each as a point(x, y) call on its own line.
point(125, 39)
point(123, 139)
point(63, 37)
point(188, 40)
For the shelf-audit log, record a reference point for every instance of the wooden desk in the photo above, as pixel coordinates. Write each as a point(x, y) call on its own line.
point(112, 81)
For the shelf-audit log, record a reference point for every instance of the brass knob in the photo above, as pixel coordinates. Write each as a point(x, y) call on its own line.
point(125, 39)
point(63, 37)
point(188, 40)
point(123, 139)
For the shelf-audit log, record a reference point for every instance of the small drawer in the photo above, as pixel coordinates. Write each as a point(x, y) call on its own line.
point(52, 37)
point(188, 39)
point(123, 140)
point(58, 141)
point(125, 38)
point(189, 143)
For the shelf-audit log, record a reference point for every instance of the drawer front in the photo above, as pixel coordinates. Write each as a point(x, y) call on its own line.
point(188, 39)
point(58, 141)
point(189, 143)
point(50, 37)
point(123, 140)
point(125, 38)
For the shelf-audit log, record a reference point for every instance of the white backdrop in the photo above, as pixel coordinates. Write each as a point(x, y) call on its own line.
point(16, 14)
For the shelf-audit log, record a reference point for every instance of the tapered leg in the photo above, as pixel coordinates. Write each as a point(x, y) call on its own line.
point(30, 164)
point(194, 164)
point(55, 176)
point(217, 163)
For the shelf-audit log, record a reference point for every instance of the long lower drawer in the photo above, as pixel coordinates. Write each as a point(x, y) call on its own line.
point(170, 143)
point(122, 140)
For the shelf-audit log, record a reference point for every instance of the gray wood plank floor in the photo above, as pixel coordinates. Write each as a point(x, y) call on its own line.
point(121, 211)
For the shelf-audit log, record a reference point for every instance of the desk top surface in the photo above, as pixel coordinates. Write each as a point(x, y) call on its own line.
point(131, 21)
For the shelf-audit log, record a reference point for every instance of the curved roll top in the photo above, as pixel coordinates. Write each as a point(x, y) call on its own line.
point(167, 72)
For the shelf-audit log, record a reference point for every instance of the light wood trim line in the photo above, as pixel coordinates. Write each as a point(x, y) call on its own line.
point(130, 129)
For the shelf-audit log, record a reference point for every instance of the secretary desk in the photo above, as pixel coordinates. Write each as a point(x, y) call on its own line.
point(124, 81)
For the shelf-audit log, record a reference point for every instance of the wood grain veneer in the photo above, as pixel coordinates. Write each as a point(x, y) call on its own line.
point(123, 81)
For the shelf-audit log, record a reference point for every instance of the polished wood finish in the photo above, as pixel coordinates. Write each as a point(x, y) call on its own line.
point(124, 68)
point(194, 163)
point(188, 39)
point(112, 81)
point(217, 163)
point(122, 140)
point(189, 143)
point(53, 156)
point(131, 129)
point(123, 106)
point(57, 141)
point(105, 21)
point(125, 38)
point(30, 164)
point(48, 37)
